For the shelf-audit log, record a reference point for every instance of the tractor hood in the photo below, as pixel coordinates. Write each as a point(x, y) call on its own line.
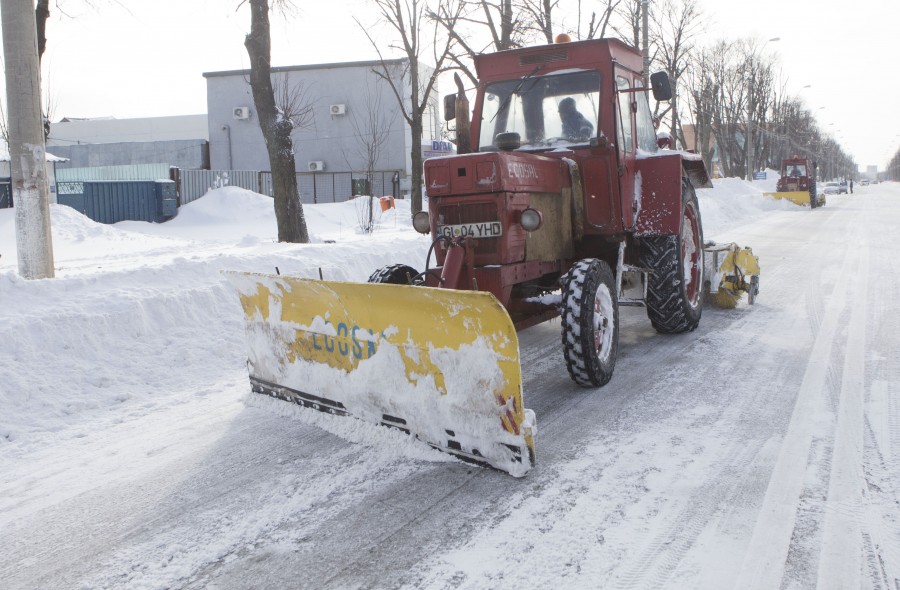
point(492, 172)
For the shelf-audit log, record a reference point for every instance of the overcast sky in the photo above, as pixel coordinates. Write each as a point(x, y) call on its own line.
point(146, 58)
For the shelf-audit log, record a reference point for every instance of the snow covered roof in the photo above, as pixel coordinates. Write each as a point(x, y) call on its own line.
point(4, 154)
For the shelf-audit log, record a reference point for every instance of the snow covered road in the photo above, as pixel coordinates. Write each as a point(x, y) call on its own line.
point(760, 451)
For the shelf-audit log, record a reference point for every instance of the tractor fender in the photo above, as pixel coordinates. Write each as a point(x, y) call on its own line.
point(660, 177)
point(658, 195)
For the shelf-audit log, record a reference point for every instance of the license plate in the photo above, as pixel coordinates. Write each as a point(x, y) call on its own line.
point(488, 229)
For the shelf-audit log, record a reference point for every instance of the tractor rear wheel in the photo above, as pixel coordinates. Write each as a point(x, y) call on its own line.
point(590, 322)
point(395, 274)
point(675, 284)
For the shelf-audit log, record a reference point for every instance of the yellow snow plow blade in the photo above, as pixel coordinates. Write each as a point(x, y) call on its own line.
point(439, 364)
point(797, 197)
point(732, 271)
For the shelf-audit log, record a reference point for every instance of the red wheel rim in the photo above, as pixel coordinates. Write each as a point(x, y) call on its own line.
point(691, 252)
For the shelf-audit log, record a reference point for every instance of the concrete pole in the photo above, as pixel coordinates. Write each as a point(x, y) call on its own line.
point(749, 141)
point(27, 155)
point(645, 17)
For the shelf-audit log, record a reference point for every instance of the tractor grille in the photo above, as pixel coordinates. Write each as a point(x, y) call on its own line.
point(472, 213)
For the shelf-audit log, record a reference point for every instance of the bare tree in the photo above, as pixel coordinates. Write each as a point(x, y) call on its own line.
point(703, 99)
point(408, 20)
point(276, 127)
point(41, 14)
point(371, 128)
point(677, 24)
point(718, 103)
point(539, 16)
point(629, 25)
point(293, 102)
point(598, 23)
point(498, 18)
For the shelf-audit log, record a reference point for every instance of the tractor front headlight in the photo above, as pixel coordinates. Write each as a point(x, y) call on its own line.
point(421, 222)
point(531, 219)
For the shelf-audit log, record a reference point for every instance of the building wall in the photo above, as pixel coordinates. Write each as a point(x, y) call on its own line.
point(189, 154)
point(179, 141)
point(143, 129)
point(332, 139)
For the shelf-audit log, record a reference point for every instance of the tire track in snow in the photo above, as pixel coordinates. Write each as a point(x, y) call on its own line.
point(765, 557)
point(840, 559)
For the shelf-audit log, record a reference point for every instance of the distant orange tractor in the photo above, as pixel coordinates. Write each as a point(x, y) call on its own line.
point(798, 183)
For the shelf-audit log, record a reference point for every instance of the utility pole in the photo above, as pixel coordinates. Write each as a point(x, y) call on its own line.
point(27, 151)
point(748, 142)
point(645, 18)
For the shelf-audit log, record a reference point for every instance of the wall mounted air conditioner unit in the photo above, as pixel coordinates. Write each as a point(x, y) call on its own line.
point(338, 109)
point(242, 112)
point(317, 166)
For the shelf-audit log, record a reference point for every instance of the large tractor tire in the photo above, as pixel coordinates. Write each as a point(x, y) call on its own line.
point(590, 322)
point(675, 283)
point(395, 274)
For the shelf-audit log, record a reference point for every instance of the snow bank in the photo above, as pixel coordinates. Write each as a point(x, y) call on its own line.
point(734, 202)
point(139, 314)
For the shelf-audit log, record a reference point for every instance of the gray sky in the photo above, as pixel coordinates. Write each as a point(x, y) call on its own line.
point(142, 59)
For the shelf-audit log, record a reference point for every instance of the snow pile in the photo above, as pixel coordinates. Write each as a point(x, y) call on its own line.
point(734, 202)
point(140, 318)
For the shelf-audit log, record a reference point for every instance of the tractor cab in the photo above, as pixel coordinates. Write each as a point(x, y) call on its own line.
point(795, 175)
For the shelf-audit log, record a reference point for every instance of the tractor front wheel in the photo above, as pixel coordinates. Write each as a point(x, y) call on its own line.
point(395, 274)
point(590, 322)
point(675, 284)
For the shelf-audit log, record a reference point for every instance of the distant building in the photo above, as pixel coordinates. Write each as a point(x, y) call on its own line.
point(344, 100)
point(180, 141)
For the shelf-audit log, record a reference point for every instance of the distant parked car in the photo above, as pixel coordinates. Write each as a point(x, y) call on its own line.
point(833, 188)
point(864, 182)
point(843, 187)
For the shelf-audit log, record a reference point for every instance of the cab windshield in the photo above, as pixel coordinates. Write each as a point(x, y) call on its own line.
point(794, 170)
point(555, 110)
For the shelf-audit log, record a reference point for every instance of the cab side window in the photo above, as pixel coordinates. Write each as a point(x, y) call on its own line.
point(626, 137)
point(646, 133)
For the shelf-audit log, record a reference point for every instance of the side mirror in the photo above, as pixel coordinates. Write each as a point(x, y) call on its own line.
point(662, 88)
point(449, 107)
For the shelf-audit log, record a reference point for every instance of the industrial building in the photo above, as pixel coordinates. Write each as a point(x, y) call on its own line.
point(348, 107)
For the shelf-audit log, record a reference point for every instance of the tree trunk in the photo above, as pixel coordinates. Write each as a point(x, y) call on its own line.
point(276, 129)
point(28, 158)
point(417, 163)
point(41, 14)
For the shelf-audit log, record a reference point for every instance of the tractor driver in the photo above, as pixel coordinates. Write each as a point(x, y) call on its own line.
point(574, 125)
point(795, 171)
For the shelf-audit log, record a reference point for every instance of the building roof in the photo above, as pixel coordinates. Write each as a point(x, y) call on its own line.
point(4, 154)
point(329, 66)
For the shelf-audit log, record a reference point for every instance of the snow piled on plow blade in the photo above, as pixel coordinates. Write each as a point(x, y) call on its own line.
point(441, 365)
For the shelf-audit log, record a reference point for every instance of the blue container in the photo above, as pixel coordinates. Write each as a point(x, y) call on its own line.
point(111, 201)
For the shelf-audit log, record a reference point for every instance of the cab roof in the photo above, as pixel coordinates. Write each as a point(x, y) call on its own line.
point(592, 54)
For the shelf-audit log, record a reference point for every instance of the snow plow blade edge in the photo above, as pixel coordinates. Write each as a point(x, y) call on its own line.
point(801, 198)
point(441, 365)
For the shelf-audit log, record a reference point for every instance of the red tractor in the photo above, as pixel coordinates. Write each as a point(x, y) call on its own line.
point(563, 206)
point(798, 183)
point(565, 188)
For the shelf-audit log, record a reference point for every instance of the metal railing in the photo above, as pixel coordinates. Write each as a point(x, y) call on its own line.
point(334, 187)
point(193, 184)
